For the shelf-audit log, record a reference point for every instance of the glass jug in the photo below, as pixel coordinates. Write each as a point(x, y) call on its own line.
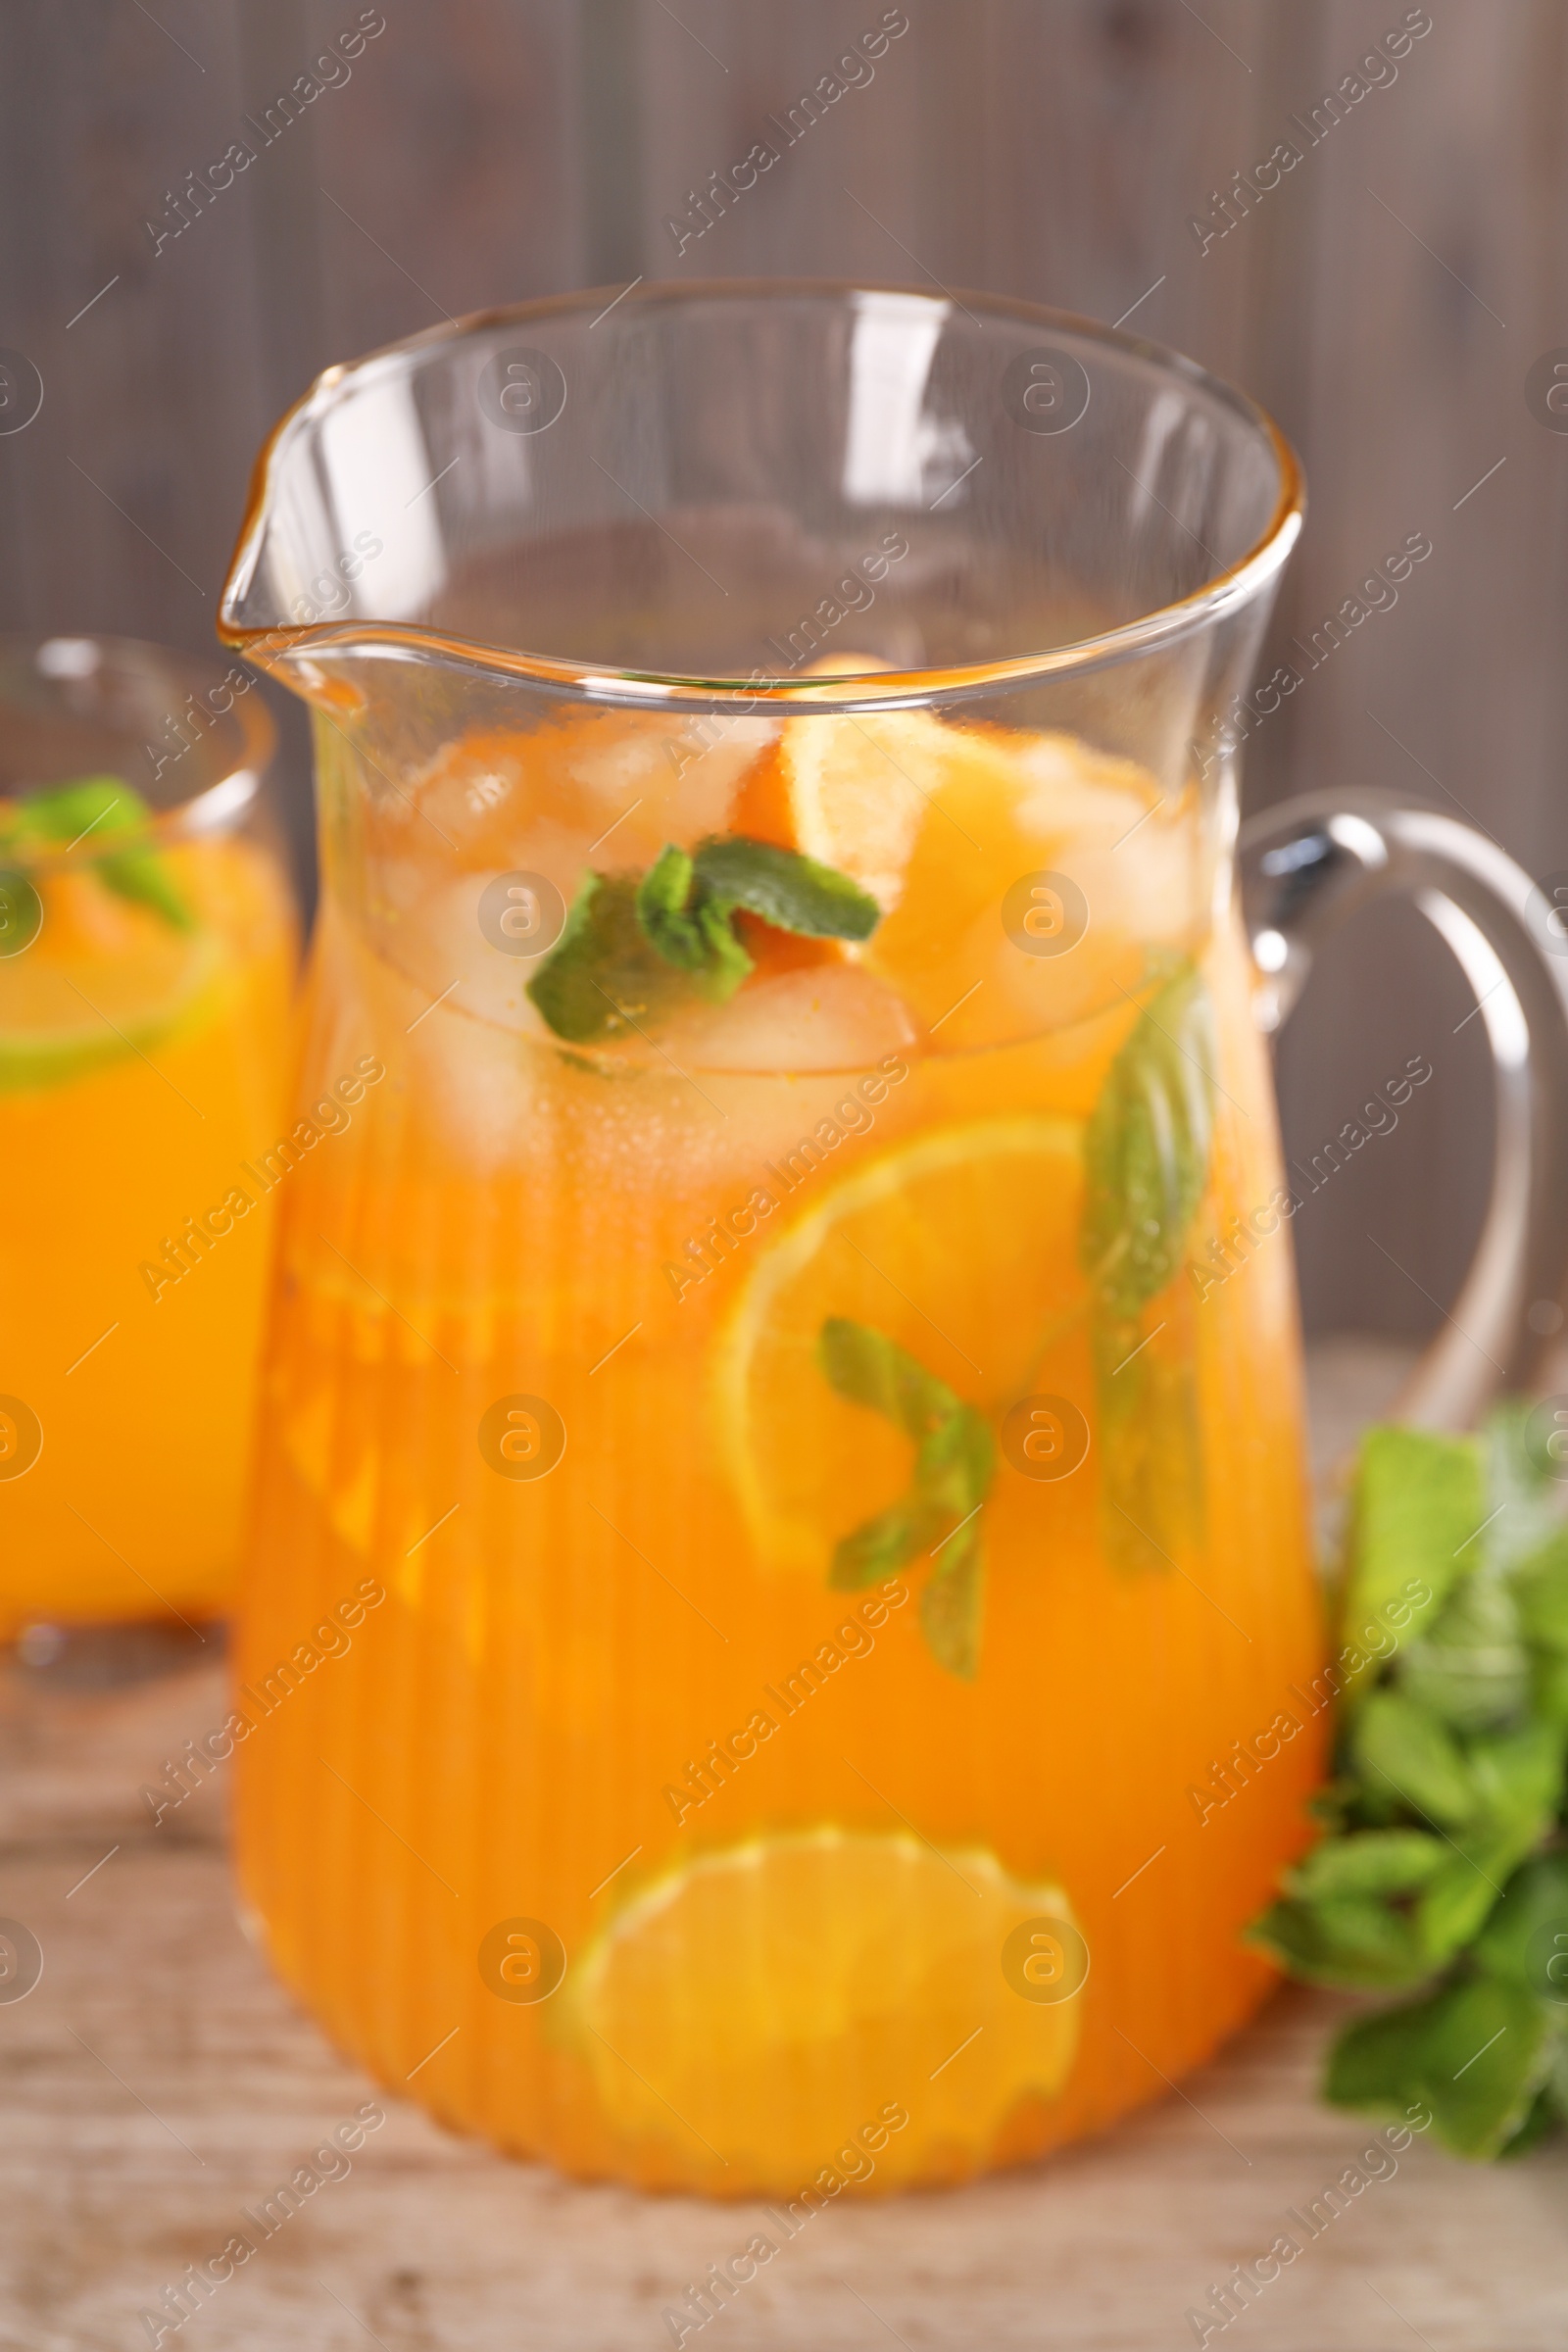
point(781, 1649)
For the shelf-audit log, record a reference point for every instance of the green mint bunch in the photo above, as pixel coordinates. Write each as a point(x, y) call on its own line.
point(636, 946)
point(1443, 1868)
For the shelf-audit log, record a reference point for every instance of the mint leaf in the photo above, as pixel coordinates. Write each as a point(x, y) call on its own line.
point(1518, 1782)
point(1540, 2117)
point(881, 1546)
point(1540, 1595)
point(602, 980)
point(1419, 1499)
point(100, 808)
point(1526, 1937)
point(1548, 1687)
point(142, 874)
point(1453, 1909)
point(1482, 2051)
point(1147, 1149)
point(1470, 1667)
point(1372, 1862)
point(1147, 1153)
point(1474, 2054)
point(1151, 1448)
point(626, 936)
point(103, 805)
point(959, 1459)
point(1352, 1941)
point(1375, 2066)
point(868, 1368)
point(687, 905)
point(790, 891)
point(688, 928)
point(1523, 1499)
point(955, 1462)
point(1518, 1777)
point(1396, 1743)
point(661, 909)
point(951, 1604)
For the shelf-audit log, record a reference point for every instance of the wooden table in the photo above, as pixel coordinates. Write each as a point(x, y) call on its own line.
point(158, 2080)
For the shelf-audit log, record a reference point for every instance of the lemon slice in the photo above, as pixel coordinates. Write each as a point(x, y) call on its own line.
point(962, 1246)
point(102, 979)
point(789, 1997)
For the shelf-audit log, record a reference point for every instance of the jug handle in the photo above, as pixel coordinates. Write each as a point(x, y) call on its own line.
point(1308, 865)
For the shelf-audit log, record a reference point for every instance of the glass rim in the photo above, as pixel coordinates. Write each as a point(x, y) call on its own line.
point(218, 805)
point(1236, 584)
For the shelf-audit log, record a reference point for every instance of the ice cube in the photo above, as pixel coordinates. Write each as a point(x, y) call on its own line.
point(1070, 788)
point(441, 943)
point(655, 779)
point(827, 1016)
point(1136, 855)
point(632, 780)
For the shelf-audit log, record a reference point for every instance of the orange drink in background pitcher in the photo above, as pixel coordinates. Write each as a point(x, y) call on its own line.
point(147, 952)
point(780, 1636)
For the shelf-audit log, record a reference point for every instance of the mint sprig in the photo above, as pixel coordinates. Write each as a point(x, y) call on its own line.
point(790, 891)
point(604, 979)
point(99, 809)
point(689, 929)
point(1444, 1869)
point(955, 1461)
point(1147, 1159)
point(634, 947)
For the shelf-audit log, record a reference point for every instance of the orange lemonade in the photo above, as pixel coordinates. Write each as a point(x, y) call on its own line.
point(780, 1629)
point(144, 1026)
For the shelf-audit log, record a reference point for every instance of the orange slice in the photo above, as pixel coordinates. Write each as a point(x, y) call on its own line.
point(939, 821)
point(879, 1248)
point(1003, 807)
point(765, 1999)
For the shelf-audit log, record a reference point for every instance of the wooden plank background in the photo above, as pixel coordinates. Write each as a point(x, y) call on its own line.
point(1386, 301)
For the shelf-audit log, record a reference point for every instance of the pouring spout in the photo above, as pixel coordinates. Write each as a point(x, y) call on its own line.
point(335, 548)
